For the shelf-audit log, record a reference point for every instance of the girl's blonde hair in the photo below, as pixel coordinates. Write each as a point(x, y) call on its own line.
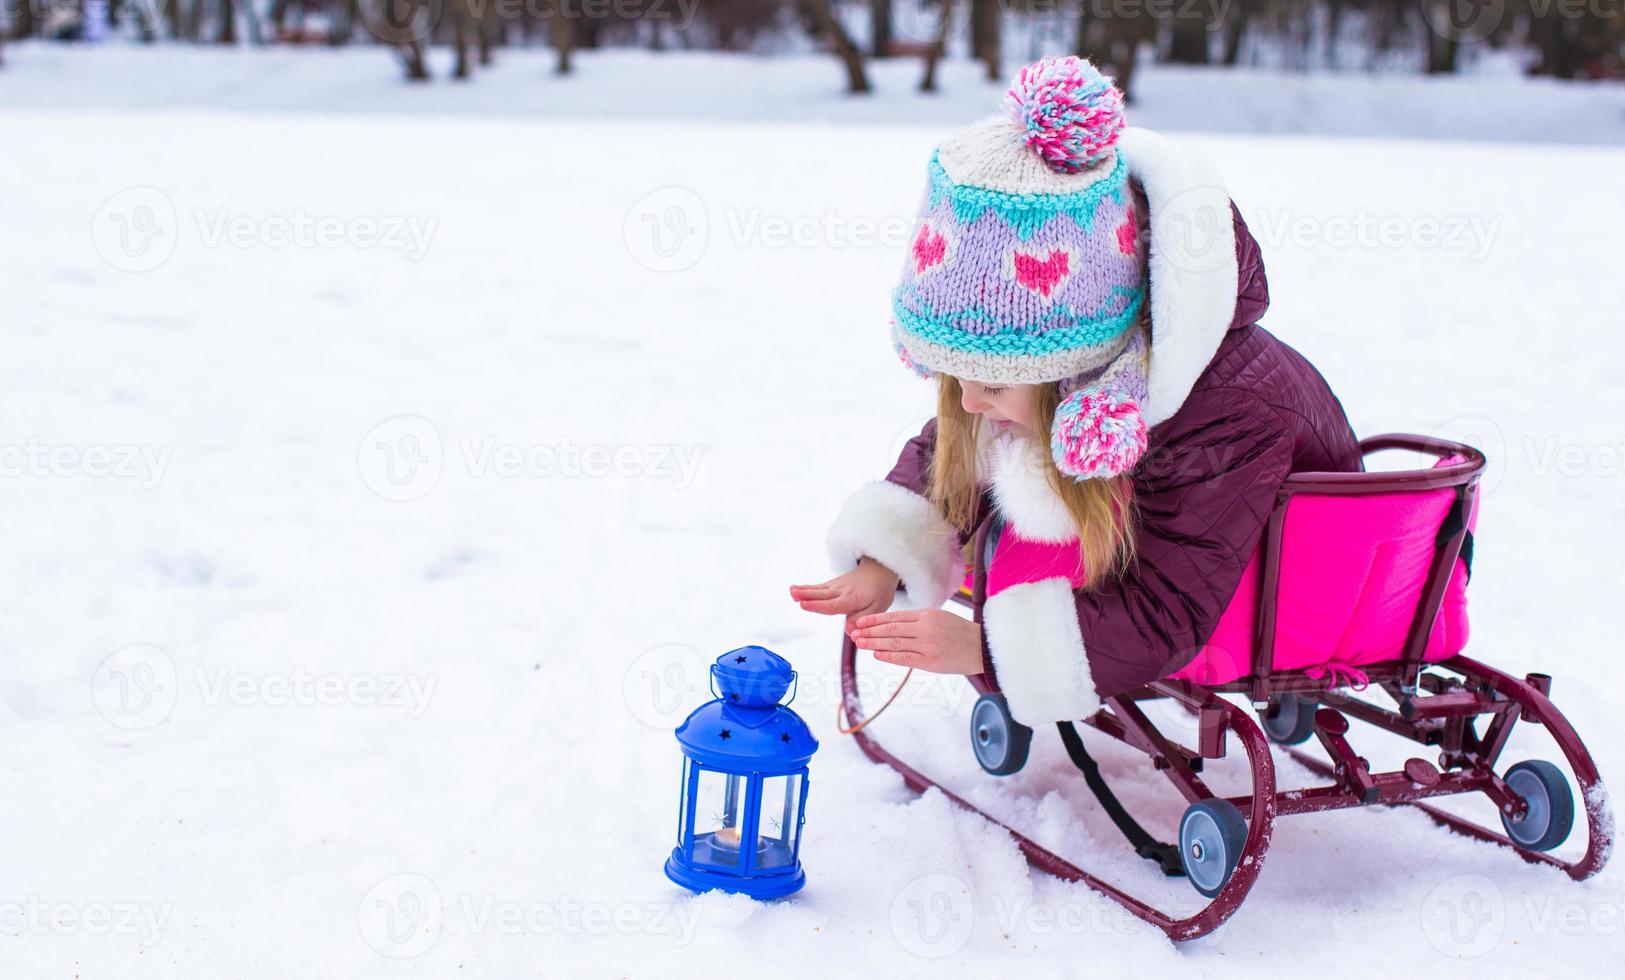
point(1101, 510)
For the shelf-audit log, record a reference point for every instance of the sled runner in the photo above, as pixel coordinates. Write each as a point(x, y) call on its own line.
point(1358, 585)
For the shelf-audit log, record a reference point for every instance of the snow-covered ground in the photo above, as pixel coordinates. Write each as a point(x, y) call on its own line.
point(379, 482)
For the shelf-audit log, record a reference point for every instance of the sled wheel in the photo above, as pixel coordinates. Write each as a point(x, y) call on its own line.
point(1289, 720)
point(1549, 799)
point(1211, 837)
point(1001, 743)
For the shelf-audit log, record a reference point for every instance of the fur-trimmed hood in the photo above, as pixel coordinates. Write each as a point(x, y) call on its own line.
point(1206, 273)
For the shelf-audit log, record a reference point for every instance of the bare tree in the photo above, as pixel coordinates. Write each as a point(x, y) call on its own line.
point(939, 47)
point(466, 14)
point(1189, 43)
point(563, 33)
point(1235, 30)
point(23, 22)
point(880, 28)
point(1110, 35)
point(857, 77)
point(986, 19)
point(341, 18)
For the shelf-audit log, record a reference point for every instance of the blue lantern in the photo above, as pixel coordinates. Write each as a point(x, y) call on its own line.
point(744, 783)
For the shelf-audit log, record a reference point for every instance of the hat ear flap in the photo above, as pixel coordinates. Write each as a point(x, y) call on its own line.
point(1099, 428)
point(1098, 432)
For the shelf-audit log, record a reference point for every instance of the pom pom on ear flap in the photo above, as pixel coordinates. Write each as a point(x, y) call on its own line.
point(1098, 432)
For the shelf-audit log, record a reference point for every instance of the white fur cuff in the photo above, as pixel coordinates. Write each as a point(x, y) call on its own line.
point(903, 531)
point(1037, 648)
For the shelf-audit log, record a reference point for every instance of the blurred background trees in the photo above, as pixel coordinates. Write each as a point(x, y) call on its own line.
point(1566, 39)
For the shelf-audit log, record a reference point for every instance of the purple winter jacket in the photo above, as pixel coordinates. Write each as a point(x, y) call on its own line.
point(1204, 489)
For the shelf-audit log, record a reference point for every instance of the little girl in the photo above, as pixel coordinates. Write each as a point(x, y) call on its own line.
point(1087, 300)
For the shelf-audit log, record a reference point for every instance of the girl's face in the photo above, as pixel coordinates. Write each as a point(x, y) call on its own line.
point(1010, 407)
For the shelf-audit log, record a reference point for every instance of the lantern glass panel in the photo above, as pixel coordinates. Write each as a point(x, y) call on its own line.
point(780, 820)
point(719, 818)
point(682, 801)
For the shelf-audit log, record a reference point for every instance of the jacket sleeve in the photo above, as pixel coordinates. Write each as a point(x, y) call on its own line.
point(893, 522)
point(1203, 493)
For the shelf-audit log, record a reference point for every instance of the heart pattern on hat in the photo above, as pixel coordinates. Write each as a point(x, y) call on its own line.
point(1128, 233)
point(1041, 269)
point(930, 249)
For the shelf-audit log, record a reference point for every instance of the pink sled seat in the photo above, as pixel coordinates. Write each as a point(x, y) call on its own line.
point(1352, 572)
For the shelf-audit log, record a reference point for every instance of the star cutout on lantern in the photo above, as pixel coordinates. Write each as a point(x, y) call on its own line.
point(785, 737)
point(727, 733)
point(739, 659)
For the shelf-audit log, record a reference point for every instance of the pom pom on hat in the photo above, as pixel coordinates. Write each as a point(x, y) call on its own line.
point(1098, 432)
point(1072, 113)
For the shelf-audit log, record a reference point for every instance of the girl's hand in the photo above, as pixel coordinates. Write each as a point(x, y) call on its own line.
point(930, 639)
point(869, 588)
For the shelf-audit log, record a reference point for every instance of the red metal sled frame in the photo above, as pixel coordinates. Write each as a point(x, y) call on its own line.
point(1433, 708)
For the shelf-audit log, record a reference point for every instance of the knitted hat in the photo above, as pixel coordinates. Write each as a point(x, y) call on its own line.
point(1027, 265)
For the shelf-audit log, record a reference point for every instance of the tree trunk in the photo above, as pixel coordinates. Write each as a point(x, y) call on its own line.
point(412, 57)
point(458, 11)
point(1235, 31)
point(1334, 24)
point(857, 78)
point(487, 27)
point(1555, 38)
point(340, 22)
point(1190, 35)
point(986, 17)
point(1110, 35)
point(563, 32)
point(879, 28)
point(192, 26)
point(939, 47)
point(23, 23)
point(1443, 42)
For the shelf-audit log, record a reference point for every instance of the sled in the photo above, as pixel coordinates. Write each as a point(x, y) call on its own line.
point(1438, 704)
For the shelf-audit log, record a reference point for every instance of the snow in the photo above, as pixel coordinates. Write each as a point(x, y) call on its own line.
point(366, 547)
